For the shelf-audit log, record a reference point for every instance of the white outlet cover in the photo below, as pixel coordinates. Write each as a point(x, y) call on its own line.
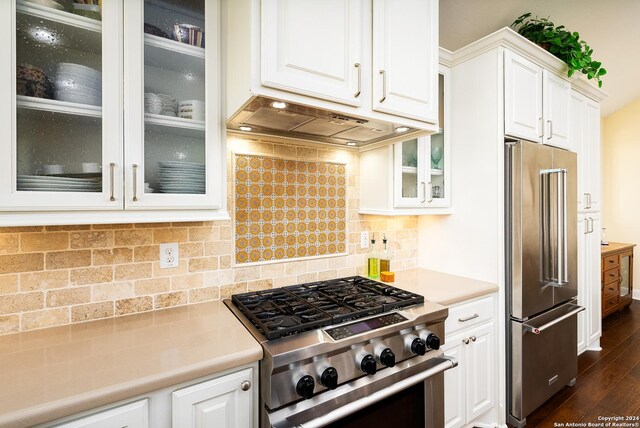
point(169, 255)
point(364, 239)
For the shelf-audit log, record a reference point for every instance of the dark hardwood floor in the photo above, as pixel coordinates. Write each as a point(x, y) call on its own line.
point(608, 382)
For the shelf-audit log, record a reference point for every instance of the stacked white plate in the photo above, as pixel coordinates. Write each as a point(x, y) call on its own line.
point(45, 183)
point(181, 177)
point(191, 109)
point(78, 84)
point(152, 103)
point(169, 105)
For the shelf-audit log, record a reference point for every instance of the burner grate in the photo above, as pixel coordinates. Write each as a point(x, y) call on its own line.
point(297, 308)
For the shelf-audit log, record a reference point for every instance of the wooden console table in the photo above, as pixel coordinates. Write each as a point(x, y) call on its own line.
point(617, 276)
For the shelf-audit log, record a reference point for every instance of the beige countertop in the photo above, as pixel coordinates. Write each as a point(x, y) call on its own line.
point(53, 373)
point(442, 288)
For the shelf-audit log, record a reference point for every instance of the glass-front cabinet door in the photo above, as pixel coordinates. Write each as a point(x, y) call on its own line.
point(625, 275)
point(173, 138)
point(61, 106)
point(421, 165)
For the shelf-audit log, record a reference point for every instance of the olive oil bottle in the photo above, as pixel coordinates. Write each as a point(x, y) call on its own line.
point(373, 261)
point(385, 263)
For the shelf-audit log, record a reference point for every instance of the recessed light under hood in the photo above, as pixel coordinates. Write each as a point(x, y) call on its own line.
point(312, 124)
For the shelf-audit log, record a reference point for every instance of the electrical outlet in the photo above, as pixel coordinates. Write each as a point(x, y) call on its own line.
point(169, 255)
point(364, 239)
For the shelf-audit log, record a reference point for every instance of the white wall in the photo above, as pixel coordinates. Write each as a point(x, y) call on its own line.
point(621, 178)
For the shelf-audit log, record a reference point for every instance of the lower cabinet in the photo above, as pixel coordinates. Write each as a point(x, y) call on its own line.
point(223, 400)
point(589, 278)
point(470, 389)
point(133, 415)
point(221, 403)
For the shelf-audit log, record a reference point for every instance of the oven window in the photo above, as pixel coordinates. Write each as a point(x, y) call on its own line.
point(405, 409)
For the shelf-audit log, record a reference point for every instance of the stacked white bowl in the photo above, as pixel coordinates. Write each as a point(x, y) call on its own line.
point(191, 109)
point(77, 83)
point(169, 105)
point(152, 103)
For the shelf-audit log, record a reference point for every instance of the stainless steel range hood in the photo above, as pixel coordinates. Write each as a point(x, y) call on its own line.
point(289, 120)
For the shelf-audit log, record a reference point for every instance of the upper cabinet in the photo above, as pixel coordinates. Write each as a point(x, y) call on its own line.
point(370, 62)
point(585, 136)
point(412, 176)
point(537, 103)
point(405, 58)
point(75, 137)
point(314, 48)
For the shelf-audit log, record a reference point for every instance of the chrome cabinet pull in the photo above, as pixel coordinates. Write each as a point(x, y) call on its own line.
point(245, 386)
point(586, 226)
point(589, 201)
point(474, 316)
point(550, 129)
point(430, 192)
point(424, 192)
point(473, 338)
point(384, 86)
point(135, 182)
point(112, 167)
point(357, 65)
point(465, 341)
point(590, 225)
point(541, 123)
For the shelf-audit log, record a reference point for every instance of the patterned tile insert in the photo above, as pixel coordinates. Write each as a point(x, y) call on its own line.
point(288, 208)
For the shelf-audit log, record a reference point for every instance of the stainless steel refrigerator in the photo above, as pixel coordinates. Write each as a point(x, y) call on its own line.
point(541, 274)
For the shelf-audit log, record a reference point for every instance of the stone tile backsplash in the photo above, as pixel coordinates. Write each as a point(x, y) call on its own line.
point(56, 275)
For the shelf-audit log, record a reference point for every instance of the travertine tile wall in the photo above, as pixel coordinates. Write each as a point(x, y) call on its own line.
point(57, 275)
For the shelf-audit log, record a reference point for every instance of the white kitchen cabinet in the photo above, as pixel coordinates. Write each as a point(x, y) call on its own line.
point(330, 54)
point(589, 282)
point(412, 176)
point(133, 415)
point(70, 123)
point(314, 48)
point(585, 136)
point(537, 102)
point(405, 58)
point(221, 400)
point(225, 402)
point(470, 388)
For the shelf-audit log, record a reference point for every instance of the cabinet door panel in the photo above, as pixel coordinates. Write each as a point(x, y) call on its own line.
point(313, 47)
point(405, 58)
point(62, 106)
point(583, 289)
point(173, 137)
point(454, 383)
point(523, 98)
point(479, 371)
point(134, 415)
point(592, 141)
point(557, 110)
point(595, 277)
point(217, 403)
point(577, 136)
point(410, 185)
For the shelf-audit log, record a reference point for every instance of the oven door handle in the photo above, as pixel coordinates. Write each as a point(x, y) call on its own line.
point(439, 365)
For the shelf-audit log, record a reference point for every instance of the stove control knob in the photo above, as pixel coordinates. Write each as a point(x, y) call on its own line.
point(387, 358)
point(415, 345)
point(368, 364)
point(329, 378)
point(304, 387)
point(431, 340)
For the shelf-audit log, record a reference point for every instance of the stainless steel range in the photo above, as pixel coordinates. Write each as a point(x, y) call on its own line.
point(347, 352)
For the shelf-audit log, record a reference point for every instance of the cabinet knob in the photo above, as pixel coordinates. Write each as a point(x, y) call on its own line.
point(473, 338)
point(246, 385)
point(465, 341)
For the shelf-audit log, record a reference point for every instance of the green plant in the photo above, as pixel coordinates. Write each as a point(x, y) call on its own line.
point(562, 43)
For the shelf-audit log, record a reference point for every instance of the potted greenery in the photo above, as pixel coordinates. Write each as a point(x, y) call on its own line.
point(562, 43)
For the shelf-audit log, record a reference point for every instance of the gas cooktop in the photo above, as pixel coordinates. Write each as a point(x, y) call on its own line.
point(297, 308)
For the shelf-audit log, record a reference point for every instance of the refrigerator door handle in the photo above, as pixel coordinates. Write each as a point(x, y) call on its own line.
point(575, 309)
point(560, 277)
point(565, 241)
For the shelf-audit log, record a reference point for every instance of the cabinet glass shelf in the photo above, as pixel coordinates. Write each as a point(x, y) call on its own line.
point(57, 106)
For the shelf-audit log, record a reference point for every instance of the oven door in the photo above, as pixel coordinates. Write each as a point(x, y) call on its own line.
point(413, 390)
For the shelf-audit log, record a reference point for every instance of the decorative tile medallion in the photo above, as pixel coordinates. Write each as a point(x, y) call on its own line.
point(286, 208)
